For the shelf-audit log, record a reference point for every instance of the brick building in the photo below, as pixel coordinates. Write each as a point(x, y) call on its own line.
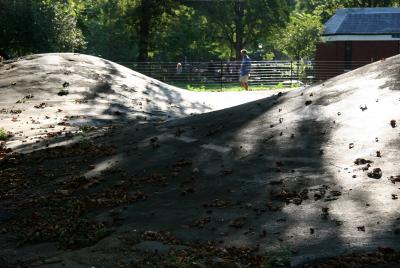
point(354, 37)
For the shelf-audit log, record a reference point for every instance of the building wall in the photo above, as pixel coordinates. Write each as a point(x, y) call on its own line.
point(330, 56)
point(329, 60)
point(374, 51)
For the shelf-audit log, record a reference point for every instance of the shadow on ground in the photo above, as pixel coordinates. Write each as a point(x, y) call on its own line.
point(275, 179)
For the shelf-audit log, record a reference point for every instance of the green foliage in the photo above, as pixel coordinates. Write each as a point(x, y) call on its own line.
point(38, 26)
point(123, 30)
point(108, 30)
point(146, 15)
point(225, 87)
point(298, 40)
point(295, 85)
point(169, 30)
point(194, 88)
point(326, 8)
point(184, 33)
point(3, 134)
point(279, 86)
point(64, 33)
point(269, 56)
point(239, 24)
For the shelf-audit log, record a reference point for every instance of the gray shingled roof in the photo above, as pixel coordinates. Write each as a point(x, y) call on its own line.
point(364, 21)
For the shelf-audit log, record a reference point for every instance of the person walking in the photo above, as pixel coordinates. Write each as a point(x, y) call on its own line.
point(178, 68)
point(245, 69)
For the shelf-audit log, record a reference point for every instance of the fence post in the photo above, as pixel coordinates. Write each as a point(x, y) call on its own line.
point(291, 72)
point(151, 69)
point(220, 77)
point(190, 74)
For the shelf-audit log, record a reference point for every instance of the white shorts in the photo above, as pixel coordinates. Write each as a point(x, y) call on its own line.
point(244, 78)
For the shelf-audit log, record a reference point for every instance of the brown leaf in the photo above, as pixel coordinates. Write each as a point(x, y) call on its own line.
point(238, 222)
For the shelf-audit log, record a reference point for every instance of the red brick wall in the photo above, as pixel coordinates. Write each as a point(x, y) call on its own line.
point(374, 51)
point(363, 52)
point(329, 60)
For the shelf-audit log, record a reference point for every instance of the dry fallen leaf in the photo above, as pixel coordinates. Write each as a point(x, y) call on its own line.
point(238, 222)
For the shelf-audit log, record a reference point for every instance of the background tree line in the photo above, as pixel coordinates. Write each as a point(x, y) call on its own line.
point(169, 30)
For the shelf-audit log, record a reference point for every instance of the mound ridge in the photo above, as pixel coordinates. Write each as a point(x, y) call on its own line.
point(91, 78)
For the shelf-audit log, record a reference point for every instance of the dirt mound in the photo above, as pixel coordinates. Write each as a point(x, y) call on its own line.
point(67, 77)
point(298, 176)
point(63, 92)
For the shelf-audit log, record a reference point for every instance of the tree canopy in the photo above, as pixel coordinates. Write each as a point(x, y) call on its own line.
point(38, 26)
point(168, 30)
point(299, 38)
point(326, 8)
point(244, 23)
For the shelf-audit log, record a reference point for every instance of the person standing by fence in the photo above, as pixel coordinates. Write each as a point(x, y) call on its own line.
point(178, 68)
point(245, 69)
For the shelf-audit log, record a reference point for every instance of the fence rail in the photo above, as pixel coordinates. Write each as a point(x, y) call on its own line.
point(220, 74)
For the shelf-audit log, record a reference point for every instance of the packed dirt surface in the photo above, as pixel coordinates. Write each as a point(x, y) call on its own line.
point(65, 92)
point(286, 180)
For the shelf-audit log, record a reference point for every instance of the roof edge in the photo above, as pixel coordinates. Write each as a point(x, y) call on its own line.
point(367, 10)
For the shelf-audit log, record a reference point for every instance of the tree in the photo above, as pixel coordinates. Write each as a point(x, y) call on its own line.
point(184, 34)
point(240, 23)
point(29, 26)
point(298, 40)
point(326, 8)
point(107, 28)
point(146, 16)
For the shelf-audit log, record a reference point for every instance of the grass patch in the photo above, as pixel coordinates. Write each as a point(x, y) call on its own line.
point(3, 134)
point(231, 87)
point(224, 88)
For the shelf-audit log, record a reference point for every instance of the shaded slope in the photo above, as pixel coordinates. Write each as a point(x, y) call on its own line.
point(275, 173)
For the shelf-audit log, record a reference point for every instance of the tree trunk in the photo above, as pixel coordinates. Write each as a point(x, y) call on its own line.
point(144, 36)
point(239, 13)
point(144, 30)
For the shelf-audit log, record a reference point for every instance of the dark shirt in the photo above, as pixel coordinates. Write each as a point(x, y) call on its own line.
point(245, 67)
